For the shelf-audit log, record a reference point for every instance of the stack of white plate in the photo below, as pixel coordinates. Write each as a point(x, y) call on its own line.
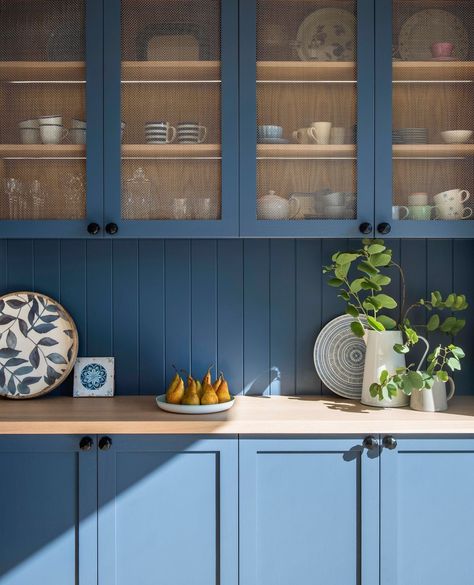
point(410, 136)
point(159, 133)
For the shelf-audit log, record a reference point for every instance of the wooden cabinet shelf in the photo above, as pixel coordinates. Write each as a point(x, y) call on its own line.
point(171, 71)
point(306, 151)
point(42, 71)
point(433, 150)
point(306, 71)
point(42, 151)
point(433, 71)
point(171, 151)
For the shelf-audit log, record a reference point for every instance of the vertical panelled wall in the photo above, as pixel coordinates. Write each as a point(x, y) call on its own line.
point(252, 307)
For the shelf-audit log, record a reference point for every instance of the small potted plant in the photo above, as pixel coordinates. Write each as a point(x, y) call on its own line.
point(360, 276)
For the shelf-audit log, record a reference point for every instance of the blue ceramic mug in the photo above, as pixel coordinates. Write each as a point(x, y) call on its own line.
point(269, 132)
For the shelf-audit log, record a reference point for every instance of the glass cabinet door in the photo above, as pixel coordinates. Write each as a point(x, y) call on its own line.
point(311, 135)
point(171, 123)
point(432, 116)
point(45, 125)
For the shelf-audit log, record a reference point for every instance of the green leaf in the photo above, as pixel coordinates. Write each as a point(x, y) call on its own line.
point(342, 271)
point(386, 321)
point(383, 376)
point(357, 329)
point(344, 295)
point(386, 302)
point(457, 351)
point(356, 285)
point(381, 279)
point(367, 268)
point(352, 311)
point(458, 326)
point(442, 376)
point(369, 284)
point(413, 380)
point(346, 258)
point(399, 348)
point(374, 389)
point(381, 259)
point(375, 249)
point(454, 363)
point(433, 323)
point(375, 324)
point(335, 282)
point(371, 304)
point(451, 299)
point(392, 390)
point(448, 324)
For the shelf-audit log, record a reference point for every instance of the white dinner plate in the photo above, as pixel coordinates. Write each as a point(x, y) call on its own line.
point(188, 409)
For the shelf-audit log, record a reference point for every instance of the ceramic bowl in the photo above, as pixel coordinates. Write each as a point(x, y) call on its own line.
point(456, 136)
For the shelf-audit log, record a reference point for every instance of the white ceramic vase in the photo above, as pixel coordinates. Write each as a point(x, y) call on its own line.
point(380, 356)
point(433, 400)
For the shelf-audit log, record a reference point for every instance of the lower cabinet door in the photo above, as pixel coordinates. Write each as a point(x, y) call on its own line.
point(48, 511)
point(427, 512)
point(168, 511)
point(308, 512)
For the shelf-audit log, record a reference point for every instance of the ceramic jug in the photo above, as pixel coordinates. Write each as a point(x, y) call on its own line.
point(379, 356)
point(433, 400)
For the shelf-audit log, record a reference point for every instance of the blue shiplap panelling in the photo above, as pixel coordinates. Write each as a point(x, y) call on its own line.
point(253, 308)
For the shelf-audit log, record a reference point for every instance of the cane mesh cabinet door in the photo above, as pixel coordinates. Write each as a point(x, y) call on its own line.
point(48, 510)
point(306, 117)
point(425, 95)
point(168, 510)
point(171, 119)
point(308, 512)
point(51, 117)
point(426, 512)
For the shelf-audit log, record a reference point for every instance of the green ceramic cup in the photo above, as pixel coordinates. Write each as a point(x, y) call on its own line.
point(419, 212)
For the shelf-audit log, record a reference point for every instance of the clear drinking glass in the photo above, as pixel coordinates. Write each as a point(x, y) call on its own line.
point(137, 196)
point(180, 208)
point(37, 198)
point(14, 194)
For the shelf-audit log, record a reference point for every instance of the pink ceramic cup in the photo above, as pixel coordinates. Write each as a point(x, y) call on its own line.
point(442, 49)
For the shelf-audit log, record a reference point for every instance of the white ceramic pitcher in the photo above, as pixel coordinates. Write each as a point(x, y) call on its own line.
point(380, 356)
point(433, 400)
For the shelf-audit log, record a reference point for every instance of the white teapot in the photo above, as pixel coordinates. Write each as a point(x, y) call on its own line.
point(272, 206)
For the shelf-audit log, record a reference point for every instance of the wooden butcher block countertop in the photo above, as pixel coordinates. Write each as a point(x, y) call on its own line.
point(293, 415)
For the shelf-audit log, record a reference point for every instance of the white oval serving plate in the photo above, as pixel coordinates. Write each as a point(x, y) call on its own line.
point(189, 409)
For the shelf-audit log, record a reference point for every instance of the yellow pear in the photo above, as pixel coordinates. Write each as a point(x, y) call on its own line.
point(217, 383)
point(207, 377)
point(199, 389)
point(222, 392)
point(191, 396)
point(175, 391)
point(209, 395)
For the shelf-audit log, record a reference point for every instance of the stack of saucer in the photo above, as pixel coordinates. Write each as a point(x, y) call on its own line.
point(410, 136)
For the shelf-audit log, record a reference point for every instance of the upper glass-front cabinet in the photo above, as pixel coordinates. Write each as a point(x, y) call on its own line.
point(166, 131)
point(46, 120)
point(307, 126)
point(425, 174)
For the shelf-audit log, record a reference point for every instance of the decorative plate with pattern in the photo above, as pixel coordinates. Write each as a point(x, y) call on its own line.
point(339, 358)
point(38, 344)
point(327, 34)
point(426, 27)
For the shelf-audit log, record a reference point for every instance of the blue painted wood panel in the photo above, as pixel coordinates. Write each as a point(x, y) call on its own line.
point(294, 525)
point(48, 518)
point(253, 308)
point(426, 512)
point(168, 511)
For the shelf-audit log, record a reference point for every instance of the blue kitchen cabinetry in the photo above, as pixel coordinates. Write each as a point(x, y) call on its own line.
point(48, 510)
point(168, 510)
point(308, 511)
point(426, 515)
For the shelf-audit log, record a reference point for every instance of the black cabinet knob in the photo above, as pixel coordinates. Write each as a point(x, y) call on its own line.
point(384, 228)
point(111, 228)
point(86, 444)
point(389, 442)
point(105, 443)
point(93, 229)
point(370, 443)
point(365, 228)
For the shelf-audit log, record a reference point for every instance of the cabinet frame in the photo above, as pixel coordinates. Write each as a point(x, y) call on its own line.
point(77, 228)
point(319, 228)
point(227, 226)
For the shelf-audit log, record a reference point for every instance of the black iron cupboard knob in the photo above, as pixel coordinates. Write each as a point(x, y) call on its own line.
point(389, 442)
point(111, 228)
point(365, 228)
point(384, 228)
point(93, 229)
point(105, 443)
point(370, 443)
point(86, 444)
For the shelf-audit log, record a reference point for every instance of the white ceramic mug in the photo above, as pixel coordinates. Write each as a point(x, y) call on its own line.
point(321, 132)
point(30, 136)
point(191, 133)
point(452, 196)
point(434, 400)
point(452, 211)
point(338, 135)
point(418, 199)
point(397, 212)
point(306, 202)
point(78, 124)
point(50, 120)
point(335, 198)
point(78, 135)
point(28, 124)
point(302, 136)
point(161, 133)
point(52, 133)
